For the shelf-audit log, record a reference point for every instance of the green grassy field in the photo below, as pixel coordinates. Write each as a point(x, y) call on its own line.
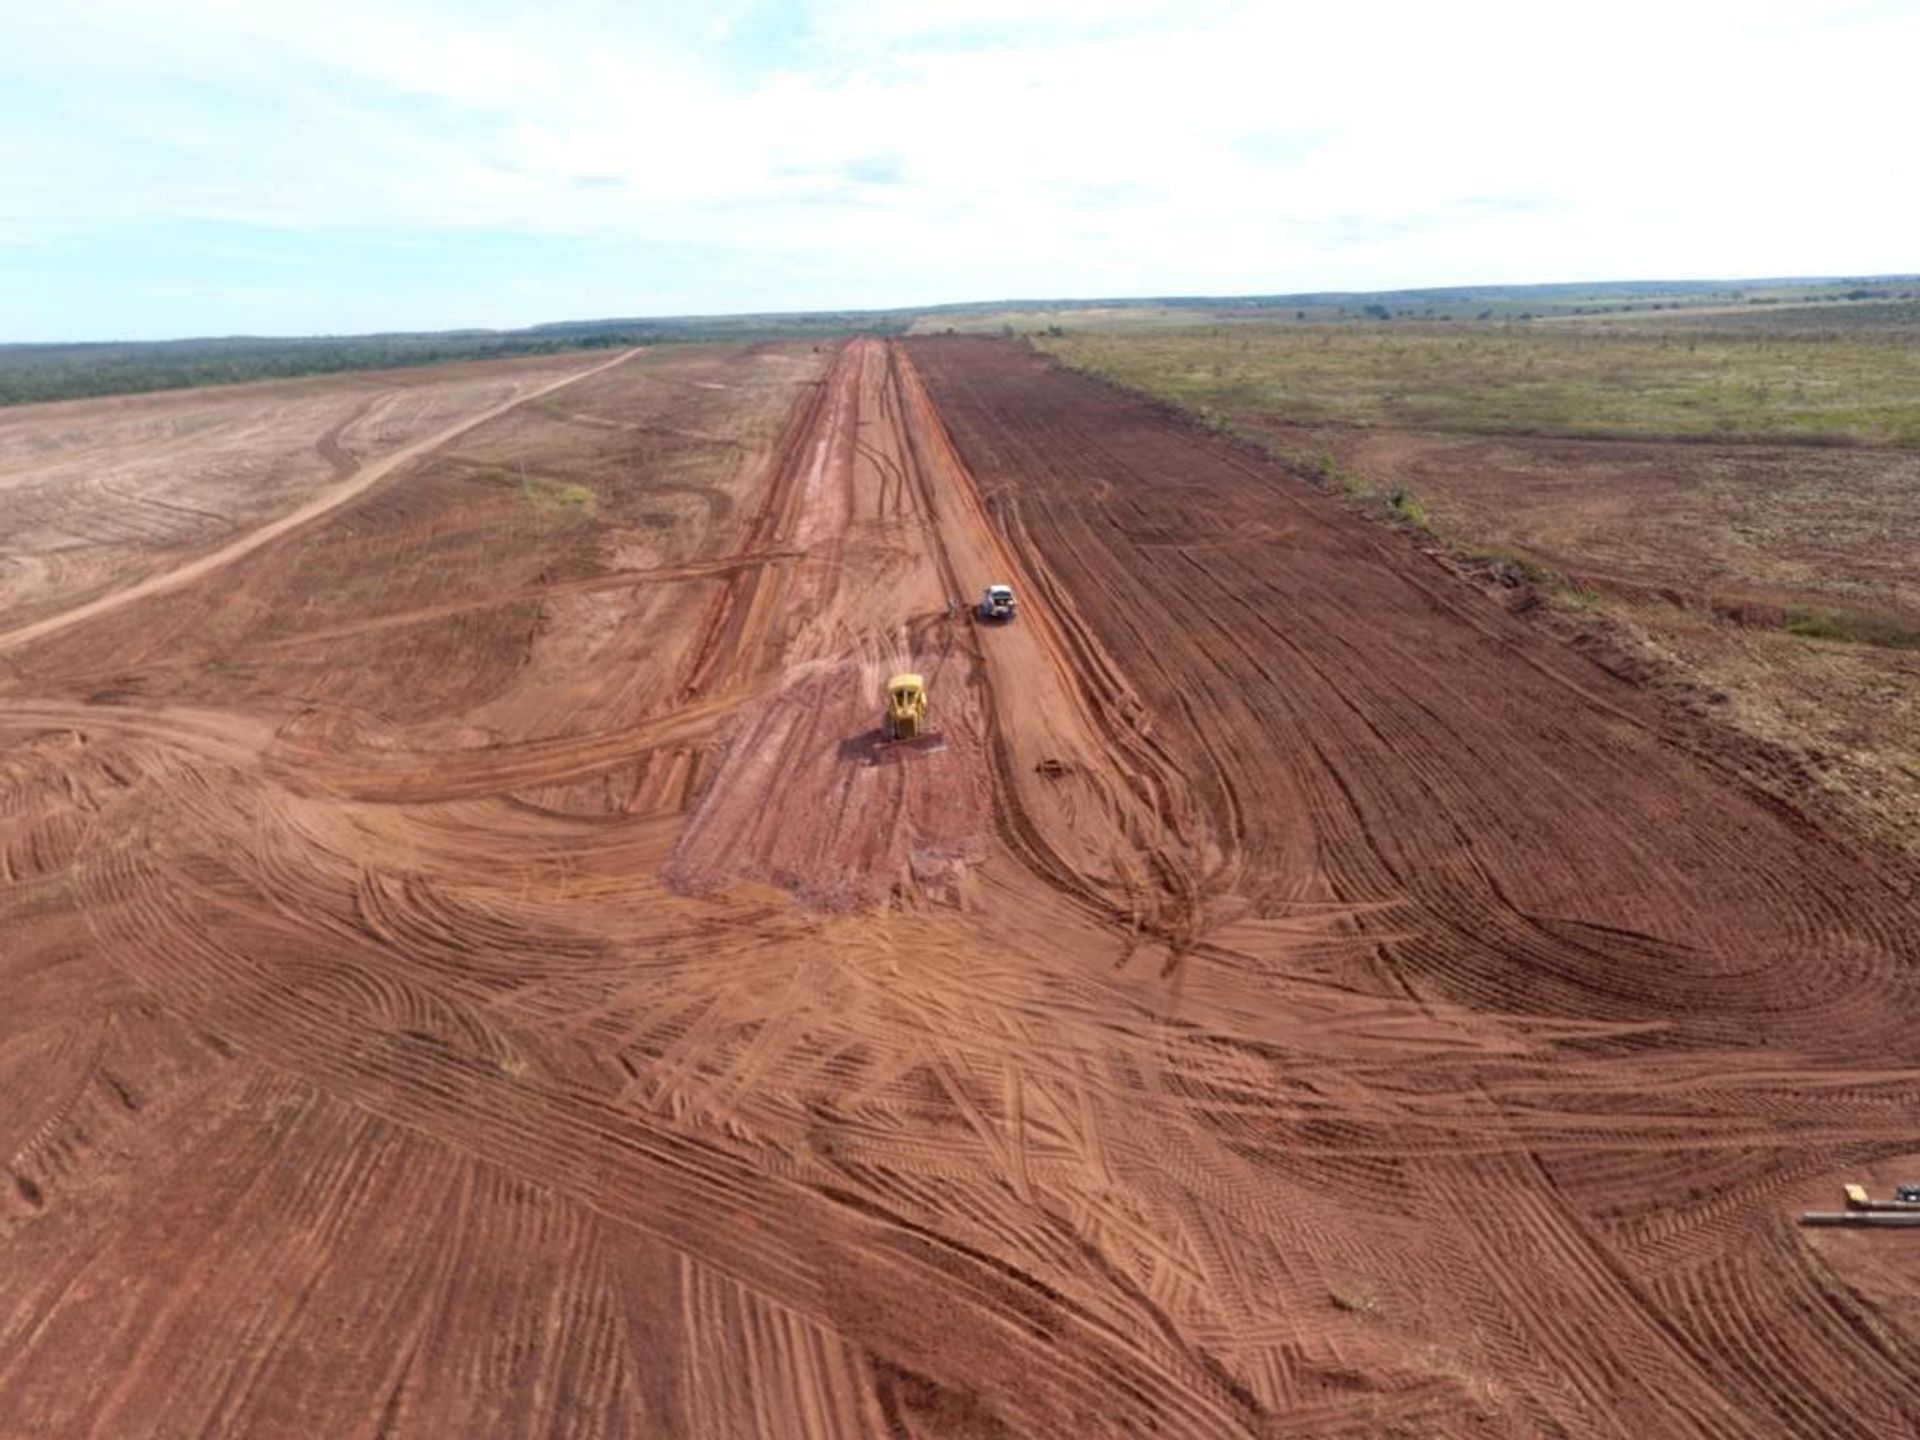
point(1858, 385)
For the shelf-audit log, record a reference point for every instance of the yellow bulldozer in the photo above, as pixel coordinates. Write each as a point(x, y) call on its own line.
point(906, 715)
point(903, 723)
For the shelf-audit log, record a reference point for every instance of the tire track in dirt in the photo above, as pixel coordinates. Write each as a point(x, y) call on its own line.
point(1442, 770)
point(804, 796)
point(354, 485)
point(1053, 691)
point(664, 1184)
point(1314, 1018)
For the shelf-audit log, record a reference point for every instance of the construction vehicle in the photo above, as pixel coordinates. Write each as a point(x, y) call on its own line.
point(996, 603)
point(906, 713)
point(1864, 1219)
point(1863, 1210)
point(903, 721)
point(1905, 1197)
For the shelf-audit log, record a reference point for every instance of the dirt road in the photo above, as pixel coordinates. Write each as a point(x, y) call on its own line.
point(355, 482)
point(474, 973)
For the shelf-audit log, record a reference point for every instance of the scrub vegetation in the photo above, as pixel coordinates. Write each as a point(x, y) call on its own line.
point(1848, 386)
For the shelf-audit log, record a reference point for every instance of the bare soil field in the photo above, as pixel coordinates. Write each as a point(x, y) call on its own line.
point(1777, 586)
point(470, 970)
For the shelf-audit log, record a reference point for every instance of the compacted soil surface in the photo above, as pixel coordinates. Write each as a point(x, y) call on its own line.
point(470, 967)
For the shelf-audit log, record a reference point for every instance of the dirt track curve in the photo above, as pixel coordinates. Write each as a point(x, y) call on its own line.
point(355, 482)
point(472, 972)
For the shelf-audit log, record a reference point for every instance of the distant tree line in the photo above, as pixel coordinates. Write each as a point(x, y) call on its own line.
point(60, 372)
point(30, 373)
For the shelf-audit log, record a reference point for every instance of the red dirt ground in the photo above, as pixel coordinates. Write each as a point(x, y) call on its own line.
point(472, 972)
point(1688, 563)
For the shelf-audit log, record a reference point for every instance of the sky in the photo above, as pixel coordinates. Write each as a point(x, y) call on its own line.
point(200, 167)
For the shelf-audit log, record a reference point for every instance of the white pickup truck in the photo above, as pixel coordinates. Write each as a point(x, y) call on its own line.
point(996, 603)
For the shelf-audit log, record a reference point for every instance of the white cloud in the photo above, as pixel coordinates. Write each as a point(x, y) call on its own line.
point(891, 152)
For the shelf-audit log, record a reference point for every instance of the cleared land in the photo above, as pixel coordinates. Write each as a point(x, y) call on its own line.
point(1763, 572)
point(472, 972)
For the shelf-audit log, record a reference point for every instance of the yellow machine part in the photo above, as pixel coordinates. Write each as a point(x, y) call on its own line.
point(906, 707)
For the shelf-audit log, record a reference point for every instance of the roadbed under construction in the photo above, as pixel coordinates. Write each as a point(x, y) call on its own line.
point(471, 969)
